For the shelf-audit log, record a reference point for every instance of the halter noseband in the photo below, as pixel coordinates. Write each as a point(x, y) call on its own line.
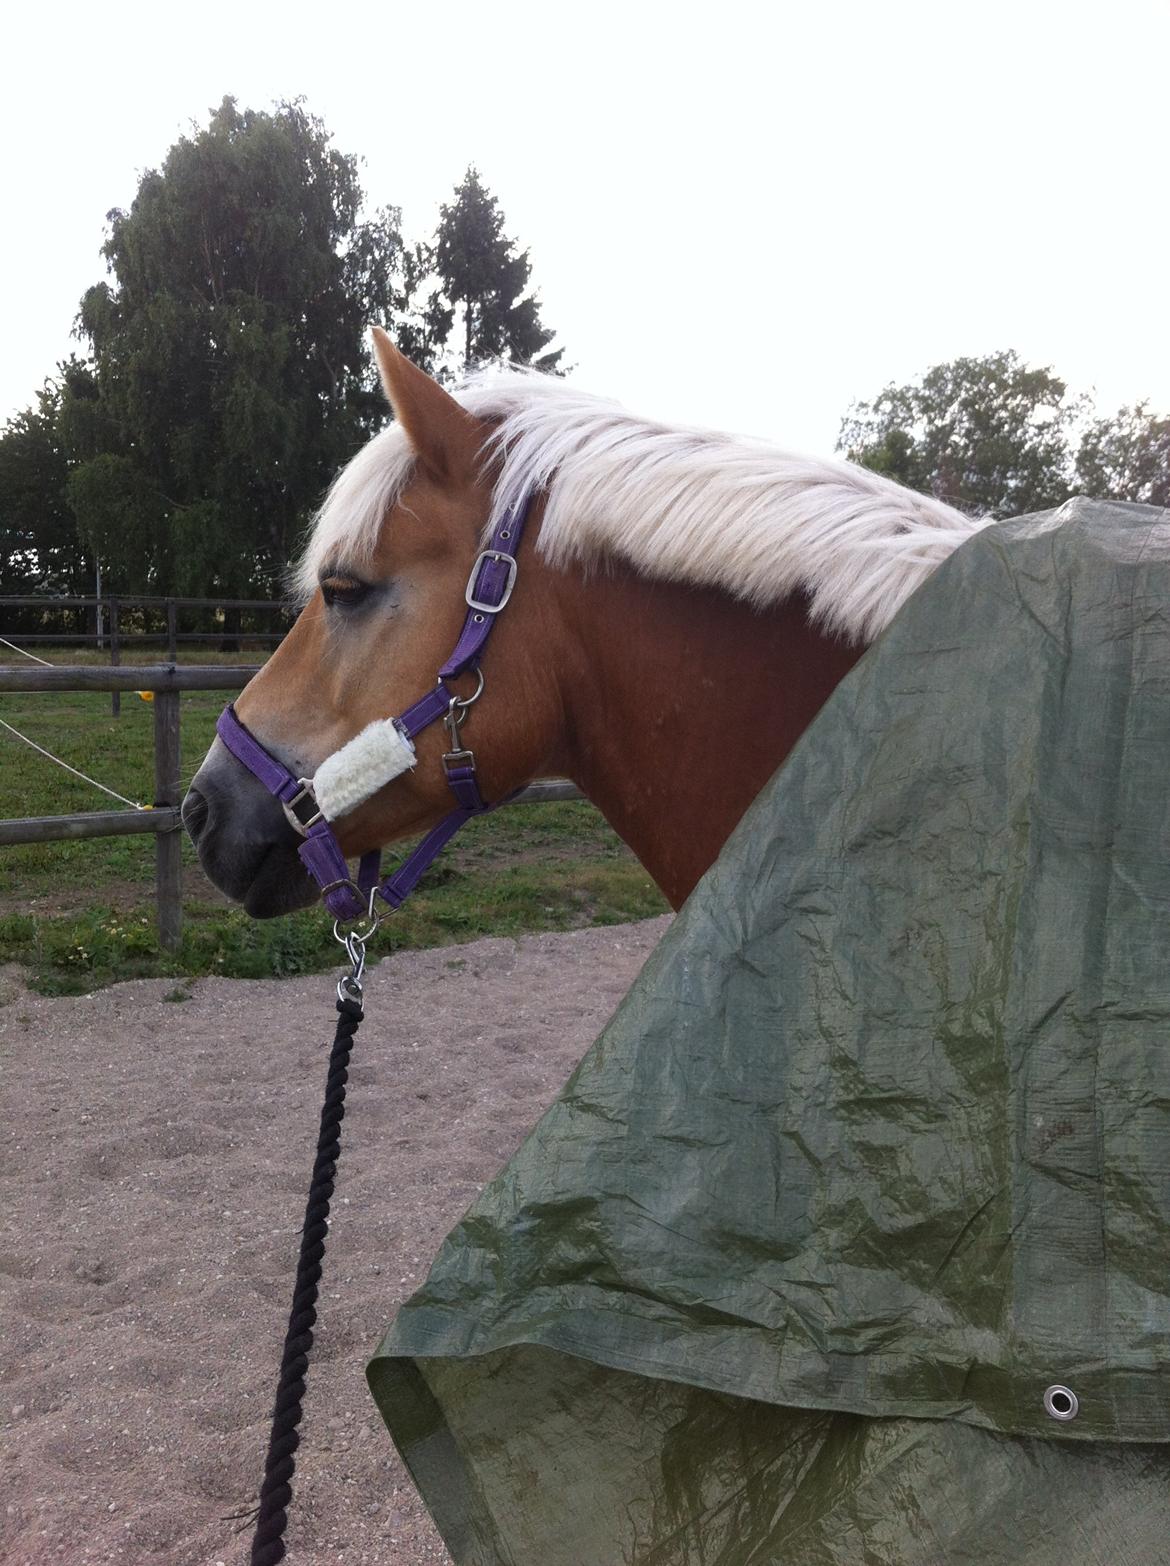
point(385, 749)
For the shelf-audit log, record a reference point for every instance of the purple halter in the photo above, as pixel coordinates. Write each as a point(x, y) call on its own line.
point(489, 588)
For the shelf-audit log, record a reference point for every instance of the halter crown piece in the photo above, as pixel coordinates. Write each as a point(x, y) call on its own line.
point(385, 749)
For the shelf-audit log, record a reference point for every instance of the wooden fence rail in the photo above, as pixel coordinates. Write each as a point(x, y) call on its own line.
point(166, 682)
point(109, 628)
point(141, 600)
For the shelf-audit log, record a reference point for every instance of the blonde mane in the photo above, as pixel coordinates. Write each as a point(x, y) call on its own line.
point(678, 504)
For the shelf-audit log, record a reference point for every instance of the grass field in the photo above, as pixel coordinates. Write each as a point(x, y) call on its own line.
point(81, 914)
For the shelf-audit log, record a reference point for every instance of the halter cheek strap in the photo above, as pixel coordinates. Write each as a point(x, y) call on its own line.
point(385, 749)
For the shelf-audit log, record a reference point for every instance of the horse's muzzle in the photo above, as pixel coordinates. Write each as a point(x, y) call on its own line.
point(245, 845)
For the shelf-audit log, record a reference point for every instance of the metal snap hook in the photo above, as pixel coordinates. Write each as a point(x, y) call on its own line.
point(349, 986)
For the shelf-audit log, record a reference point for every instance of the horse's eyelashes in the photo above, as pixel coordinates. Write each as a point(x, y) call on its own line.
point(345, 590)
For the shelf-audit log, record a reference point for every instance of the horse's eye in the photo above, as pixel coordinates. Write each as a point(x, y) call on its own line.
point(345, 590)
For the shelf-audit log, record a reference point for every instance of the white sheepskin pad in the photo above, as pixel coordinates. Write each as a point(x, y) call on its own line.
point(372, 759)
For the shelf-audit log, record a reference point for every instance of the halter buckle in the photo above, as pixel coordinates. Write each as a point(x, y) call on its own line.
point(469, 591)
point(289, 807)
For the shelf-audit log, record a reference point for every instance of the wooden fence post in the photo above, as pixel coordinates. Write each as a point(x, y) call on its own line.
point(172, 632)
point(168, 845)
point(115, 657)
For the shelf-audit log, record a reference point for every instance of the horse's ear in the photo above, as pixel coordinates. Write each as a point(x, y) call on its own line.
point(445, 438)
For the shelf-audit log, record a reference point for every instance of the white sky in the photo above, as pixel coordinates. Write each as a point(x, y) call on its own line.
point(739, 215)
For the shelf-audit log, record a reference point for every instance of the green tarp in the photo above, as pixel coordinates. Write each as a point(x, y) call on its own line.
point(876, 1149)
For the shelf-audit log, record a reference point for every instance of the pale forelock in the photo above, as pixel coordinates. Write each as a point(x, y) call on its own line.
point(678, 504)
point(346, 528)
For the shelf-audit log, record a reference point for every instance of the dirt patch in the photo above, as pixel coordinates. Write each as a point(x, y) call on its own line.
point(153, 1168)
point(124, 894)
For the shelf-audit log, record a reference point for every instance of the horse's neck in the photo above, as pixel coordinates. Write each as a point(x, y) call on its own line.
point(681, 703)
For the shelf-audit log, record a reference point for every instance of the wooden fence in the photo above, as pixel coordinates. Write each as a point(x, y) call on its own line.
point(108, 628)
point(163, 818)
point(109, 631)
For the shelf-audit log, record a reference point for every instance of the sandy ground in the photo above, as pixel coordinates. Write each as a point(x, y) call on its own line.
point(155, 1159)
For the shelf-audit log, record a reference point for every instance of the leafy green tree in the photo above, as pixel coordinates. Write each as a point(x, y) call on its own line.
point(230, 371)
point(485, 278)
point(228, 374)
point(125, 518)
point(988, 435)
point(39, 547)
point(1126, 457)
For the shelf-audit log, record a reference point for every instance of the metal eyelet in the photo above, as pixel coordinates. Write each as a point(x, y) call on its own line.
point(505, 534)
point(479, 618)
point(1061, 1403)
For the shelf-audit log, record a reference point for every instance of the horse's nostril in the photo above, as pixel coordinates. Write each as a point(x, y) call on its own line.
point(194, 813)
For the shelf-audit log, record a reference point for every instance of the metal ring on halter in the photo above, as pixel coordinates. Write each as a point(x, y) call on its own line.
point(467, 701)
point(360, 933)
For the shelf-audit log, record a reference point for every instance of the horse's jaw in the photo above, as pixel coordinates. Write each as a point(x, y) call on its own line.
point(245, 846)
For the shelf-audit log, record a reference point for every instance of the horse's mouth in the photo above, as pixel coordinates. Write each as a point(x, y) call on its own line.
point(260, 871)
point(281, 885)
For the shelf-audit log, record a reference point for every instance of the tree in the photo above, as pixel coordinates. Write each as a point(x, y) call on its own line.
point(230, 373)
point(40, 550)
point(987, 435)
point(1126, 457)
point(485, 278)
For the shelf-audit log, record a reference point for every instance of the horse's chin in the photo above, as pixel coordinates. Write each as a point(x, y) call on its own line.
point(281, 885)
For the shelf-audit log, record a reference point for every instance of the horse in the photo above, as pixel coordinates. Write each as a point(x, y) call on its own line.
point(668, 611)
point(685, 601)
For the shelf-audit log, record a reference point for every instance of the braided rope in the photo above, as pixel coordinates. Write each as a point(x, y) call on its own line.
point(276, 1491)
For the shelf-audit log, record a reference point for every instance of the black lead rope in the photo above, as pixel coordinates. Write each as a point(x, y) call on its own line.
point(276, 1491)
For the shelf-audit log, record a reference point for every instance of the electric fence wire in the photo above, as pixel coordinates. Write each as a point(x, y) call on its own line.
point(48, 754)
point(6, 643)
point(84, 776)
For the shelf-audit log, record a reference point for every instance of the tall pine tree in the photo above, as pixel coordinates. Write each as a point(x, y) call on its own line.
point(485, 279)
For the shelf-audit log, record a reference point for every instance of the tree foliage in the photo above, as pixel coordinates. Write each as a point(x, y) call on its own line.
point(229, 373)
point(39, 547)
point(484, 278)
point(1126, 457)
point(987, 435)
point(995, 435)
point(230, 370)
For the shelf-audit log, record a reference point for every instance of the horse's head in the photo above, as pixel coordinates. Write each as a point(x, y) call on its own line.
point(386, 573)
point(694, 599)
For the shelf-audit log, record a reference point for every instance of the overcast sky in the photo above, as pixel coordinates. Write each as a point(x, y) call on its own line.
point(740, 216)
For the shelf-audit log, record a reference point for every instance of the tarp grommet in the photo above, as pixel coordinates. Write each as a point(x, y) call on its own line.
point(1061, 1403)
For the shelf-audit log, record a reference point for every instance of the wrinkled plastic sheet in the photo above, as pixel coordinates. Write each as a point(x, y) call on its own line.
point(876, 1149)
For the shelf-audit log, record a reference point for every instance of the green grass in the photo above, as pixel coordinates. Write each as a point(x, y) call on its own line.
point(81, 914)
